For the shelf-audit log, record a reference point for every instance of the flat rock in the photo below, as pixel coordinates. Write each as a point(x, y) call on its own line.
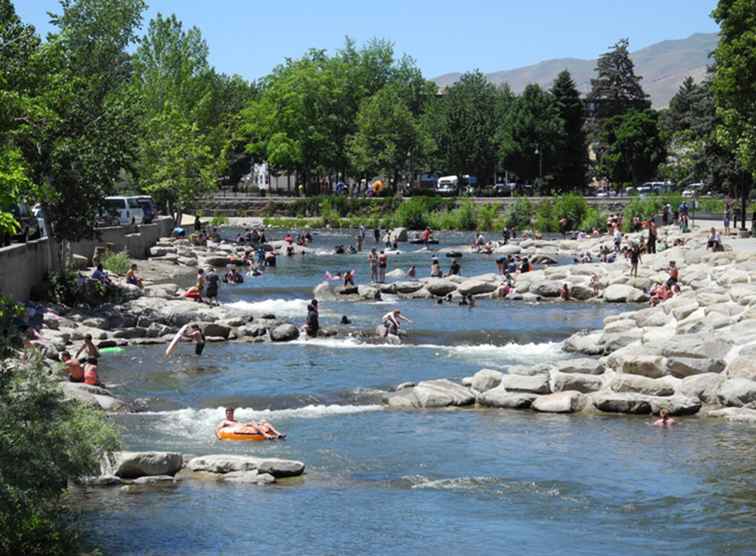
point(622, 293)
point(536, 384)
point(559, 402)
point(617, 402)
point(579, 382)
point(582, 365)
point(485, 379)
point(651, 366)
point(440, 286)
point(682, 367)
point(432, 394)
point(132, 465)
point(703, 387)
point(499, 397)
point(249, 477)
point(475, 287)
point(641, 385)
point(737, 392)
point(284, 333)
point(735, 414)
point(225, 463)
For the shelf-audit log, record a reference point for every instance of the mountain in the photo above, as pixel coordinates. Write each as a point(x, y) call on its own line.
point(663, 65)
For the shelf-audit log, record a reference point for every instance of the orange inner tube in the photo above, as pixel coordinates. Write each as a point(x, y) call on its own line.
point(239, 434)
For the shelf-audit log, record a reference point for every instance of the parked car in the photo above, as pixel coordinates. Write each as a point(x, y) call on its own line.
point(149, 208)
point(128, 208)
point(28, 226)
point(692, 190)
point(447, 185)
point(505, 189)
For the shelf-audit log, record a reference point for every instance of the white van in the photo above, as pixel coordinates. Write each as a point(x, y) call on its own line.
point(447, 185)
point(128, 209)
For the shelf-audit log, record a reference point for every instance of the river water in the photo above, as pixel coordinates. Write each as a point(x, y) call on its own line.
point(413, 482)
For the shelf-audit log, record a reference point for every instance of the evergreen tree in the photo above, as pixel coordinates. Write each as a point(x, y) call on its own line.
point(571, 165)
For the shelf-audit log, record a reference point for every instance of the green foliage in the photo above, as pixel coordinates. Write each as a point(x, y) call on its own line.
point(544, 219)
point(633, 148)
point(117, 263)
point(219, 220)
point(11, 314)
point(572, 207)
point(520, 214)
point(643, 208)
point(45, 441)
point(13, 182)
point(571, 164)
point(593, 220)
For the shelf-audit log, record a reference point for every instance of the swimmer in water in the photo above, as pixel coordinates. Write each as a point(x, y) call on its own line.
point(263, 427)
point(664, 419)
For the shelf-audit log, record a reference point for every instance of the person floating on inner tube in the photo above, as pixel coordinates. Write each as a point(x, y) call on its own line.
point(263, 427)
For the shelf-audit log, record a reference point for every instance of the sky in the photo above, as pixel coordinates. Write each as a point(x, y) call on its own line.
point(251, 37)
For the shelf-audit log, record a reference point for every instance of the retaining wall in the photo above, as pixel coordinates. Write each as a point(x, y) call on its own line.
point(24, 265)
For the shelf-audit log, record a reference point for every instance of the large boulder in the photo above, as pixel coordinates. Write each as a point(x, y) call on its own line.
point(440, 286)
point(587, 344)
point(583, 365)
point(224, 463)
point(696, 347)
point(218, 260)
point(618, 402)
point(559, 402)
point(737, 392)
point(407, 287)
point(399, 234)
point(502, 398)
point(561, 382)
point(432, 393)
point(216, 330)
point(742, 366)
point(93, 396)
point(132, 465)
point(682, 367)
point(505, 250)
point(675, 405)
point(581, 292)
point(284, 333)
point(475, 287)
point(651, 366)
point(641, 385)
point(622, 293)
point(485, 379)
point(537, 384)
point(735, 414)
point(703, 387)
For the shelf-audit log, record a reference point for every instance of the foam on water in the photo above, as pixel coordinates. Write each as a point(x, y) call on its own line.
point(482, 353)
point(196, 423)
point(279, 307)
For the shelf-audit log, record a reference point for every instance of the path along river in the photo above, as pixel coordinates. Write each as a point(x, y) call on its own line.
point(414, 482)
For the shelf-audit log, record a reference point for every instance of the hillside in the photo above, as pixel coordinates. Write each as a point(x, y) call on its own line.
point(663, 66)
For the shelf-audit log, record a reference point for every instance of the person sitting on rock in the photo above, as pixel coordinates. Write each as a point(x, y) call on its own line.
point(90, 375)
point(564, 292)
point(73, 367)
point(674, 274)
point(132, 277)
point(263, 427)
point(435, 269)
point(715, 241)
point(101, 276)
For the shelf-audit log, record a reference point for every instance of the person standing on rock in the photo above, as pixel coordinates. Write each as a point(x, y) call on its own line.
point(392, 322)
point(377, 234)
point(92, 352)
point(211, 291)
point(651, 246)
point(373, 264)
point(635, 258)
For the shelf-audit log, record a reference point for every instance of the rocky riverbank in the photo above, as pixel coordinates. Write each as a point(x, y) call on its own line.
point(135, 469)
point(690, 353)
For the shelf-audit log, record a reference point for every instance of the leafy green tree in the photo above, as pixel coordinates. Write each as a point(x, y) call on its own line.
point(531, 134)
point(45, 441)
point(176, 163)
point(735, 85)
point(571, 165)
point(387, 135)
point(634, 147)
point(471, 127)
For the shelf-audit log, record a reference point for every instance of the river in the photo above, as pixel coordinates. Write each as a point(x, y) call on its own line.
point(413, 482)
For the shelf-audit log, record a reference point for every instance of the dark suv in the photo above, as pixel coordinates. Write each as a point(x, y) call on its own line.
point(28, 226)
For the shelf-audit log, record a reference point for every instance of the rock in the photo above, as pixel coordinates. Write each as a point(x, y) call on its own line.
point(78, 262)
point(249, 477)
point(253, 330)
point(130, 333)
point(218, 260)
point(224, 463)
point(582, 365)
point(407, 287)
point(581, 292)
point(675, 405)
point(613, 342)
point(559, 402)
point(530, 370)
point(502, 398)
point(404, 385)
point(735, 414)
point(93, 396)
point(132, 465)
point(537, 384)
point(737, 392)
point(432, 393)
point(440, 286)
point(485, 379)
point(743, 366)
point(548, 288)
point(621, 293)
point(614, 402)
point(284, 333)
point(696, 346)
point(475, 287)
point(641, 385)
point(682, 367)
point(216, 329)
point(368, 292)
point(651, 366)
point(588, 344)
point(703, 387)
point(505, 250)
point(96, 322)
point(399, 234)
point(155, 479)
point(561, 382)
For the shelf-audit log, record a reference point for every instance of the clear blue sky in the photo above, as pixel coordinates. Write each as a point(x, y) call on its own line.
point(250, 37)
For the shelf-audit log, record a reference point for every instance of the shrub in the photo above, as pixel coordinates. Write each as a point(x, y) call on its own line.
point(572, 207)
point(413, 214)
point(593, 219)
point(486, 217)
point(11, 315)
point(519, 214)
point(117, 263)
point(642, 208)
point(545, 219)
point(219, 220)
point(465, 216)
point(45, 441)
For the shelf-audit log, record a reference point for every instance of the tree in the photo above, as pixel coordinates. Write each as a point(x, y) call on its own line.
point(634, 148)
point(735, 86)
point(471, 127)
point(531, 134)
point(176, 163)
point(571, 165)
point(387, 134)
point(616, 89)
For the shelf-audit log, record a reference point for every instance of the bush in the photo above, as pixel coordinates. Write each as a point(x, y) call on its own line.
point(45, 441)
point(413, 214)
point(11, 323)
point(465, 216)
point(545, 219)
point(117, 263)
point(519, 214)
point(487, 218)
point(219, 220)
point(642, 208)
point(593, 219)
point(572, 207)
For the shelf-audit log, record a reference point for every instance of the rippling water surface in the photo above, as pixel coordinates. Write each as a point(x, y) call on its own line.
point(414, 482)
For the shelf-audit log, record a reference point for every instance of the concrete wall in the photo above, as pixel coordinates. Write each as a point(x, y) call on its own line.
point(23, 266)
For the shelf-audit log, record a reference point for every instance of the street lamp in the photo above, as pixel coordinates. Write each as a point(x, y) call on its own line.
point(539, 152)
